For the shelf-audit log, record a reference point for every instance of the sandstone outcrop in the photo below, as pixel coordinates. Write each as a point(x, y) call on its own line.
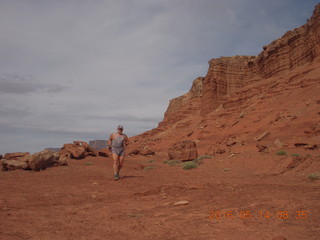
point(183, 151)
point(276, 91)
point(77, 150)
point(227, 74)
point(12, 164)
point(189, 102)
point(13, 161)
point(42, 160)
point(36, 161)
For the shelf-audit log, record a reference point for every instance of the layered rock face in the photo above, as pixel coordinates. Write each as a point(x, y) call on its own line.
point(227, 74)
point(188, 102)
point(248, 95)
point(295, 48)
point(224, 76)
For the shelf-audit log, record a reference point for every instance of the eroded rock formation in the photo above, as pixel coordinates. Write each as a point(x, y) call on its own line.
point(261, 92)
point(77, 150)
point(227, 74)
point(27, 161)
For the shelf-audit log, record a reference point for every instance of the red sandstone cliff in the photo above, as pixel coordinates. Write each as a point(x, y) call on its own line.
point(244, 95)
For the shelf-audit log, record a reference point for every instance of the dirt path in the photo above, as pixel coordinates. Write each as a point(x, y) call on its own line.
point(82, 201)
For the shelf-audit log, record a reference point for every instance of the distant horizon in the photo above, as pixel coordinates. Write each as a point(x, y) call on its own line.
point(75, 70)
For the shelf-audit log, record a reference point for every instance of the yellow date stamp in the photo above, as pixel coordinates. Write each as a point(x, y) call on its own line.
point(260, 214)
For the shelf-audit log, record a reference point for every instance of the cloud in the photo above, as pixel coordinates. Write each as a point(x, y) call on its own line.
point(16, 84)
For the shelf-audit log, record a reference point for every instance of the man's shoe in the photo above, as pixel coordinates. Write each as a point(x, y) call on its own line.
point(116, 176)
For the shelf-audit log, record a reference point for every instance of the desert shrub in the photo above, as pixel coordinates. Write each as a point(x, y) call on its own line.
point(199, 159)
point(172, 162)
point(149, 167)
point(226, 169)
point(189, 165)
point(314, 176)
point(204, 157)
point(282, 153)
point(295, 155)
point(89, 163)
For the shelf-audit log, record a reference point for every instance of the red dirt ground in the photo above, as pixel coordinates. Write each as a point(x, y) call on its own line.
point(82, 201)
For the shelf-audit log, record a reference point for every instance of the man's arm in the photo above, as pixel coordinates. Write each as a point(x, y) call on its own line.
point(126, 140)
point(110, 140)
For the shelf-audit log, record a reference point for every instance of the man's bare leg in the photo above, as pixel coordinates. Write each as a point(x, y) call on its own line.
point(121, 161)
point(116, 163)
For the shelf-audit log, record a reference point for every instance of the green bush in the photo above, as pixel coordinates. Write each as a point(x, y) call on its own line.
point(314, 176)
point(204, 157)
point(172, 162)
point(89, 163)
point(149, 167)
point(282, 153)
point(189, 165)
point(295, 155)
point(199, 159)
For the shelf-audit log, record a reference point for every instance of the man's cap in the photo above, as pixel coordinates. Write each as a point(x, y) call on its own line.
point(120, 127)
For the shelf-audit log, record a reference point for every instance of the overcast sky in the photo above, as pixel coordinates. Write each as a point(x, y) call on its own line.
point(74, 70)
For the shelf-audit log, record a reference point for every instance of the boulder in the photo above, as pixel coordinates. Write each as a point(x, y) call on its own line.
point(73, 151)
point(77, 150)
point(104, 152)
point(8, 165)
point(13, 161)
point(183, 151)
point(36, 161)
point(42, 160)
point(134, 152)
point(63, 160)
point(16, 156)
point(262, 148)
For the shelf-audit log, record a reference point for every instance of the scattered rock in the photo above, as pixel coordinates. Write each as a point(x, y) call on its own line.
point(104, 152)
point(189, 134)
point(36, 161)
point(147, 152)
point(235, 122)
point(63, 160)
point(94, 196)
point(262, 148)
point(279, 238)
point(296, 161)
point(134, 152)
point(219, 150)
point(262, 136)
point(183, 151)
point(42, 160)
point(242, 114)
point(8, 165)
point(313, 147)
point(231, 141)
point(16, 156)
point(179, 203)
point(13, 161)
point(278, 143)
point(77, 150)
point(300, 144)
